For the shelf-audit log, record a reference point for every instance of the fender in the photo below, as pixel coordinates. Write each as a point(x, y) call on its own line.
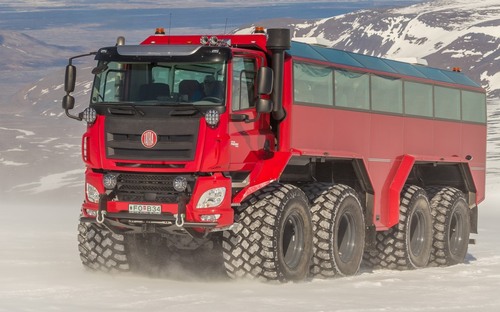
point(395, 188)
point(264, 173)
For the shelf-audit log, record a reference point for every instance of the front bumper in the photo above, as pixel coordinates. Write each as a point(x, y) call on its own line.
point(181, 215)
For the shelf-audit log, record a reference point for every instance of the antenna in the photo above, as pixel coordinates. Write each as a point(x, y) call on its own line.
point(170, 23)
point(169, 27)
point(225, 27)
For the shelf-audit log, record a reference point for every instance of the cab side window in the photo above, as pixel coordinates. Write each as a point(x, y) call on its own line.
point(243, 93)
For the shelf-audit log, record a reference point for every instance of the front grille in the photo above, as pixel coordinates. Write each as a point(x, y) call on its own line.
point(157, 188)
point(176, 138)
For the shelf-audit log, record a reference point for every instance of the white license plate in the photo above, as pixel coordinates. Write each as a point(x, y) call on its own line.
point(144, 209)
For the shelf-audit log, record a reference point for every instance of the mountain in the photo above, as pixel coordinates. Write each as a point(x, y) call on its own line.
point(446, 33)
point(20, 52)
point(34, 133)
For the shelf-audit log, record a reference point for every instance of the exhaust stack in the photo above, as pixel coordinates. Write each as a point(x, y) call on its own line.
point(278, 41)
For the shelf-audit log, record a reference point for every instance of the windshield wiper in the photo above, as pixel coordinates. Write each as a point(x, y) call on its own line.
point(185, 110)
point(126, 109)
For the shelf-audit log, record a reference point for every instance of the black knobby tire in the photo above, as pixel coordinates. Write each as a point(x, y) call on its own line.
point(408, 244)
point(102, 250)
point(339, 230)
point(451, 217)
point(274, 238)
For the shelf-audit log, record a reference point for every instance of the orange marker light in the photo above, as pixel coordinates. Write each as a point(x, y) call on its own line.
point(259, 30)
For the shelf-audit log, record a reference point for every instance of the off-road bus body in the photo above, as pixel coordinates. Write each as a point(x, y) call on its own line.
point(289, 159)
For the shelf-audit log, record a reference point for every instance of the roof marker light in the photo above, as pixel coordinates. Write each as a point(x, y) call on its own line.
point(259, 30)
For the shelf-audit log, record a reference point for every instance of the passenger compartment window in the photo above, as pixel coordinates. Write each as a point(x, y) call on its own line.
point(313, 84)
point(352, 89)
point(387, 94)
point(446, 103)
point(418, 99)
point(473, 106)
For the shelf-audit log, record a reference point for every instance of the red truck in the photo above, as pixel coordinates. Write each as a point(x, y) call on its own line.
point(290, 159)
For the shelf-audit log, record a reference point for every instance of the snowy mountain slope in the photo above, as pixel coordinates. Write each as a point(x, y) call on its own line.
point(19, 51)
point(446, 33)
point(458, 33)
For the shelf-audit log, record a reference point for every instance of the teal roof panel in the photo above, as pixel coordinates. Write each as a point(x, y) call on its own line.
point(351, 59)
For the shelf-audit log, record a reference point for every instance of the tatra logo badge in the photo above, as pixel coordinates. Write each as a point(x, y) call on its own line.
point(149, 138)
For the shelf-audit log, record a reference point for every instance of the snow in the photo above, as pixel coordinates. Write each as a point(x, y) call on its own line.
point(494, 80)
point(40, 271)
point(53, 182)
point(24, 132)
point(11, 163)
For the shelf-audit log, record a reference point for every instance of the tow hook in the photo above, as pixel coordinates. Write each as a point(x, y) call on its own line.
point(103, 204)
point(100, 216)
point(179, 219)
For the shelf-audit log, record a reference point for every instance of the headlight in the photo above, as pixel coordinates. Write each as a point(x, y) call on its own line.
point(212, 198)
point(110, 180)
point(212, 117)
point(92, 193)
point(89, 115)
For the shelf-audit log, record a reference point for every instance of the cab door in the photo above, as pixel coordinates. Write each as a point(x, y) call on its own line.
point(250, 139)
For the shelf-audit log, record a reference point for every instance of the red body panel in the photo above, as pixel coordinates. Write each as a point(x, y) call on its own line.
point(385, 143)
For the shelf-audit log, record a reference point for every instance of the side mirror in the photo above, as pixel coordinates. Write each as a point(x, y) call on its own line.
point(264, 106)
point(68, 102)
point(265, 78)
point(70, 78)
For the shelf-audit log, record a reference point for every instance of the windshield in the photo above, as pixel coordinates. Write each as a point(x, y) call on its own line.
point(157, 83)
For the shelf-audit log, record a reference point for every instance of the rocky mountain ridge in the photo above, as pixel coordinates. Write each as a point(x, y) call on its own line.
point(447, 33)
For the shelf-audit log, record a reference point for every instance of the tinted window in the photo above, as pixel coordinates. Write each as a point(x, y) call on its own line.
point(387, 94)
point(352, 89)
point(243, 83)
point(418, 99)
point(473, 106)
point(313, 84)
point(447, 103)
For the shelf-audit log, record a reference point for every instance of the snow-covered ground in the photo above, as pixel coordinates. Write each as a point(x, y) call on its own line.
point(40, 269)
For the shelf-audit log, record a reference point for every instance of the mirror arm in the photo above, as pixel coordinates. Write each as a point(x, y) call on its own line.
point(244, 117)
point(239, 117)
point(70, 60)
point(78, 117)
point(252, 120)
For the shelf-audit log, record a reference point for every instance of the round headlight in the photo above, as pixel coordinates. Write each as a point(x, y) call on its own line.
point(110, 180)
point(180, 184)
point(89, 115)
point(212, 117)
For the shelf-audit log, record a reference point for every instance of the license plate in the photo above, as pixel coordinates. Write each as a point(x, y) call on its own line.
point(144, 209)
